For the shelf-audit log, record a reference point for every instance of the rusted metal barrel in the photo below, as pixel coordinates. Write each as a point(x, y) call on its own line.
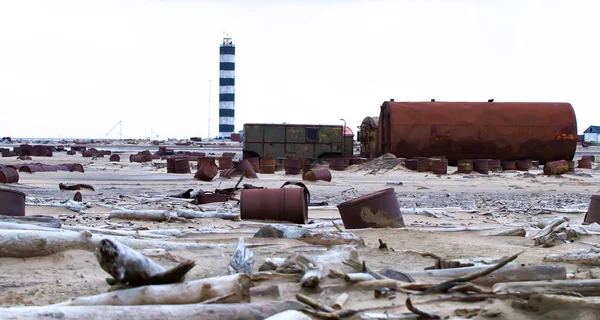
point(439, 166)
point(9, 175)
point(106, 152)
point(465, 166)
point(375, 210)
point(509, 165)
point(62, 168)
point(255, 163)
point(317, 174)
point(481, 165)
point(225, 163)
point(306, 164)
point(523, 165)
point(571, 165)
point(293, 166)
point(49, 168)
point(114, 158)
point(589, 157)
point(138, 158)
point(31, 168)
point(170, 165)
point(424, 164)
point(411, 164)
point(593, 213)
point(495, 165)
point(283, 204)
point(207, 171)
point(12, 202)
point(267, 165)
point(556, 167)
point(228, 154)
point(245, 166)
point(73, 167)
point(182, 165)
point(338, 164)
point(584, 163)
point(229, 173)
point(354, 161)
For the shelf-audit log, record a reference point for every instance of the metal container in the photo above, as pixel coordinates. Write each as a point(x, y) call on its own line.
point(182, 165)
point(73, 167)
point(376, 210)
point(170, 165)
point(465, 166)
point(495, 165)
point(367, 137)
point(255, 163)
point(9, 175)
point(424, 164)
point(593, 213)
point(317, 174)
point(283, 204)
point(306, 164)
point(411, 164)
point(106, 152)
point(571, 165)
point(267, 169)
point(293, 166)
point(354, 161)
point(114, 158)
point(478, 130)
point(338, 164)
point(207, 171)
point(556, 167)
point(267, 165)
point(229, 173)
point(12, 202)
point(509, 165)
point(481, 165)
point(31, 168)
point(523, 165)
point(138, 158)
point(225, 163)
point(246, 167)
point(584, 164)
point(439, 166)
point(49, 168)
point(589, 157)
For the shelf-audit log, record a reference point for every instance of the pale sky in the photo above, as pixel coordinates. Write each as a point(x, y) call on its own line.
point(75, 68)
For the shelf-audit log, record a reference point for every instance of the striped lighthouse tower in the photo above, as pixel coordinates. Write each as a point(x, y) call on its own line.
point(226, 89)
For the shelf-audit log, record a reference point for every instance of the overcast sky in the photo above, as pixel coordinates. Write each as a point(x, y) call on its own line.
point(76, 68)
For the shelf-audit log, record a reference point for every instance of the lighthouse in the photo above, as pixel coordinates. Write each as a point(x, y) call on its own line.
point(226, 88)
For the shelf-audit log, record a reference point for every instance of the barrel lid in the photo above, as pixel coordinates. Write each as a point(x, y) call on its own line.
point(12, 191)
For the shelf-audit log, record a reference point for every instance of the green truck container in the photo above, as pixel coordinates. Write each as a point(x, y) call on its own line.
point(296, 140)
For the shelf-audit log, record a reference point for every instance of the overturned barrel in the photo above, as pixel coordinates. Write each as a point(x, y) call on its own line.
point(207, 171)
point(317, 174)
point(114, 158)
point(283, 204)
point(556, 167)
point(9, 175)
point(375, 210)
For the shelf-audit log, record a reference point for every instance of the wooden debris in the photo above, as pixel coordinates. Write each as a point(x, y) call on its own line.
point(548, 302)
point(151, 215)
point(441, 263)
point(383, 245)
point(192, 214)
point(358, 277)
point(515, 232)
point(73, 187)
point(319, 265)
point(589, 287)
point(340, 301)
point(315, 237)
point(236, 286)
point(270, 291)
point(591, 258)
point(252, 311)
point(418, 312)
point(37, 220)
point(289, 315)
point(317, 305)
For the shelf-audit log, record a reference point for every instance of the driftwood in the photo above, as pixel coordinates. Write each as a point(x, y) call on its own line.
point(192, 214)
point(155, 234)
point(253, 311)
point(151, 215)
point(420, 313)
point(591, 258)
point(70, 205)
point(315, 237)
point(37, 220)
point(454, 229)
point(289, 315)
point(73, 187)
point(515, 232)
point(589, 287)
point(270, 291)
point(508, 273)
point(340, 301)
point(235, 287)
point(548, 302)
point(34, 243)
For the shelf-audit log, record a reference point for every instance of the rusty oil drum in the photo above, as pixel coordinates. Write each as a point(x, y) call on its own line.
point(411, 164)
point(255, 163)
point(267, 165)
point(439, 166)
point(293, 166)
point(509, 165)
point(556, 167)
point(495, 165)
point(481, 165)
point(73, 167)
point(207, 171)
point(225, 163)
point(229, 173)
point(354, 161)
point(424, 164)
point(246, 167)
point(12, 202)
point(138, 158)
point(338, 164)
point(182, 165)
point(114, 158)
point(170, 165)
point(593, 213)
point(589, 157)
point(523, 165)
point(465, 166)
point(9, 175)
point(375, 210)
point(317, 174)
point(584, 163)
point(283, 204)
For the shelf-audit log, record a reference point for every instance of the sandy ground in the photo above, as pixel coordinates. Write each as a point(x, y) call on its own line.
point(497, 201)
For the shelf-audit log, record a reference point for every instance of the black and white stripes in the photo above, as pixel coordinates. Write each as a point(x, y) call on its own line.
point(227, 89)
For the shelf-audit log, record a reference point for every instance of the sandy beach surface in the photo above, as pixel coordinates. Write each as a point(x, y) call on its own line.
point(486, 204)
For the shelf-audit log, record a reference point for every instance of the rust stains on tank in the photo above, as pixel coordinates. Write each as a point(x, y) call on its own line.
point(478, 130)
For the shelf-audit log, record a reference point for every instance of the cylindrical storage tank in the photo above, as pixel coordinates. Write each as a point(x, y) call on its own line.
point(481, 165)
point(114, 158)
point(478, 130)
point(31, 168)
point(182, 165)
point(556, 167)
point(523, 165)
point(584, 164)
point(12, 202)
point(293, 166)
point(207, 171)
point(283, 204)
point(375, 210)
point(495, 165)
point(9, 175)
point(317, 174)
point(464, 166)
point(509, 165)
point(439, 166)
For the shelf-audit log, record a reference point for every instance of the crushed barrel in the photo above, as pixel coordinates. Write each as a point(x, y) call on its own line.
point(375, 210)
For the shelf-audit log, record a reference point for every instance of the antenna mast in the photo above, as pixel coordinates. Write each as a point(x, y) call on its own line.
point(209, 90)
point(120, 124)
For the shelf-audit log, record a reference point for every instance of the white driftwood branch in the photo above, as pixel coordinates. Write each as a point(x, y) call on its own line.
point(547, 302)
point(289, 315)
point(590, 287)
point(192, 214)
point(71, 205)
point(238, 286)
point(586, 257)
point(151, 215)
point(154, 312)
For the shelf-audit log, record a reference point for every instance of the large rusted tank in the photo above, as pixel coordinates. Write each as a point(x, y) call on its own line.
point(542, 131)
